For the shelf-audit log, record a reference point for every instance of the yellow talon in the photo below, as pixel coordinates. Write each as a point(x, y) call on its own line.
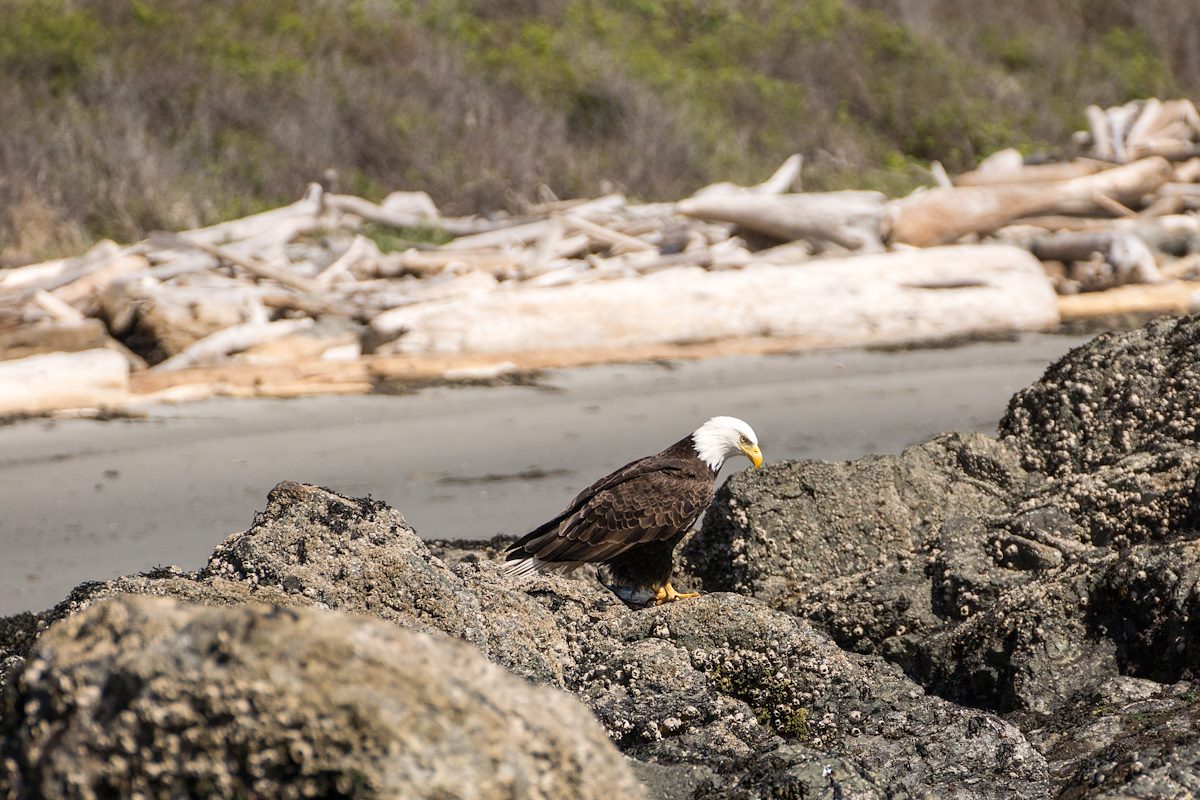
point(667, 594)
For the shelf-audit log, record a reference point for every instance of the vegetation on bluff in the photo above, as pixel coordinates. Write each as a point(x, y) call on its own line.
point(123, 116)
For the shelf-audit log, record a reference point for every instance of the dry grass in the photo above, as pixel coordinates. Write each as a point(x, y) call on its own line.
point(135, 116)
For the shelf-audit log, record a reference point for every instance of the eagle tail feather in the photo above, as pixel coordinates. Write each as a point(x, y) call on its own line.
point(521, 545)
point(534, 565)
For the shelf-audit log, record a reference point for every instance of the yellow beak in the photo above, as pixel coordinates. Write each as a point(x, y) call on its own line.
point(754, 454)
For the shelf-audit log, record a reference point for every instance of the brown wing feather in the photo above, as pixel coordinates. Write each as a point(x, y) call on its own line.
point(653, 498)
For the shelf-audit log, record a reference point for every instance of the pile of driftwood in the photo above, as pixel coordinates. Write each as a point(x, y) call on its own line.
point(302, 300)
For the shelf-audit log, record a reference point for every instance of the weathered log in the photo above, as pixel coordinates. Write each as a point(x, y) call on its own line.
point(621, 241)
point(33, 276)
point(1176, 234)
point(1149, 120)
point(258, 269)
point(783, 180)
point(87, 378)
point(1057, 222)
point(339, 269)
point(1144, 128)
point(424, 263)
point(1163, 128)
point(410, 215)
point(850, 219)
point(55, 308)
point(1187, 172)
point(789, 253)
point(1120, 120)
point(1007, 160)
point(307, 343)
point(1164, 298)
point(214, 348)
point(1180, 190)
point(53, 274)
point(309, 377)
point(174, 317)
point(372, 298)
point(520, 235)
point(1098, 126)
point(1038, 173)
point(71, 332)
point(1185, 268)
point(902, 296)
point(1126, 256)
point(52, 337)
point(939, 174)
point(330, 305)
point(83, 292)
point(510, 237)
point(939, 216)
point(553, 246)
point(418, 203)
point(1126, 184)
point(1173, 234)
point(306, 209)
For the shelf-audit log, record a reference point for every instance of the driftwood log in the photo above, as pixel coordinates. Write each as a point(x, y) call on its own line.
point(304, 211)
point(52, 337)
point(1176, 297)
point(214, 347)
point(408, 210)
point(85, 379)
point(849, 219)
point(284, 302)
point(785, 179)
point(1037, 173)
point(902, 296)
point(1143, 128)
point(175, 316)
point(1100, 259)
point(940, 216)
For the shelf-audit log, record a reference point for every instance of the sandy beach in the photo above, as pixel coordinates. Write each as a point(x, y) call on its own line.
point(91, 500)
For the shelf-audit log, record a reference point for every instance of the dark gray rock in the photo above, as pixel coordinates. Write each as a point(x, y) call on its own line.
point(347, 553)
point(715, 697)
point(1119, 394)
point(19, 633)
point(721, 680)
point(848, 546)
point(1131, 738)
point(312, 547)
point(1021, 574)
point(147, 697)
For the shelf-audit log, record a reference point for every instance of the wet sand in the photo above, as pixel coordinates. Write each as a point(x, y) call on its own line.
point(91, 500)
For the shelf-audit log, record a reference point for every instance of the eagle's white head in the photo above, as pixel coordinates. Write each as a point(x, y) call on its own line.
point(722, 437)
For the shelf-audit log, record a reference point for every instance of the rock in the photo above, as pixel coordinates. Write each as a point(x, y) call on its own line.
point(150, 697)
point(716, 697)
point(345, 553)
point(721, 680)
point(1010, 617)
point(20, 632)
point(1118, 394)
point(1022, 574)
point(846, 545)
point(314, 547)
point(1130, 739)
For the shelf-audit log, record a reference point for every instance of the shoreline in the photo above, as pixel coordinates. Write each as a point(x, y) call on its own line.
point(91, 500)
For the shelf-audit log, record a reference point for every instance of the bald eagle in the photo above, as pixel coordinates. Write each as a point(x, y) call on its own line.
point(631, 519)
